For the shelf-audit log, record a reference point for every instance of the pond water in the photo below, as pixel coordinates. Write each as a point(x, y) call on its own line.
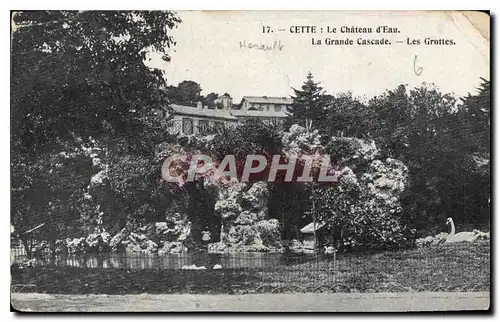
point(170, 261)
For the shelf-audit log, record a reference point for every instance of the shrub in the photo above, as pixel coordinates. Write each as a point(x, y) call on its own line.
point(366, 213)
point(270, 233)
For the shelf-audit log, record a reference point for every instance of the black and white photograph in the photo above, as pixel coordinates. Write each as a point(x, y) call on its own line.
point(250, 161)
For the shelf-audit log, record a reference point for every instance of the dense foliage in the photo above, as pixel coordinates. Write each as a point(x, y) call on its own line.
point(445, 144)
point(83, 111)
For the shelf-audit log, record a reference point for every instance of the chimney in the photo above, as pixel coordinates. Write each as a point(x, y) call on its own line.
point(227, 101)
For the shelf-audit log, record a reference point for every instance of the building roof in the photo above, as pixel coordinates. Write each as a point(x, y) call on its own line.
point(203, 112)
point(308, 229)
point(267, 100)
point(256, 113)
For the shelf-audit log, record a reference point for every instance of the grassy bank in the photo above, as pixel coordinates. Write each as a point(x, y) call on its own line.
point(454, 267)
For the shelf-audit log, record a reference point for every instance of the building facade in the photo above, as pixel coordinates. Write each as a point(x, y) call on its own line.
point(199, 120)
point(207, 116)
point(265, 108)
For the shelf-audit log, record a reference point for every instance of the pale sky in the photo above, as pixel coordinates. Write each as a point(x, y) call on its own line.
point(208, 52)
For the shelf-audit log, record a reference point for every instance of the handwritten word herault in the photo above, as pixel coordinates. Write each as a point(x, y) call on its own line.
point(277, 45)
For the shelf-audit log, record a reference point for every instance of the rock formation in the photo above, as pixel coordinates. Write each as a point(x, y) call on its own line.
point(242, 208)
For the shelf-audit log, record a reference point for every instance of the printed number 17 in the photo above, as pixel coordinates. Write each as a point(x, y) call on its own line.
point(266, 29)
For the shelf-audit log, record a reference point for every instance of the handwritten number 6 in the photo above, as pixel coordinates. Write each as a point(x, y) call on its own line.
point(418, 71)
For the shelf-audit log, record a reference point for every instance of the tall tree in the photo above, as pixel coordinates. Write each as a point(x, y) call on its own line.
point(83, 73)
point(186, 92)
point(475, 115)
point(309, 105)
point(78, 77)
point(446, 148)
point(190, 91)
point(347, 116)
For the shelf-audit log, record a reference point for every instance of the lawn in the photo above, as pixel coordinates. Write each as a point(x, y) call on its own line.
point(450, 267)
point(453, 267)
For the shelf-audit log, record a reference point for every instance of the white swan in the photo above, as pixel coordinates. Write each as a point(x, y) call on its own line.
point(465, 236)
point(329, 249)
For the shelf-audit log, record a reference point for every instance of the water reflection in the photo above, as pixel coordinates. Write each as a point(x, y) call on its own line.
point(169, 261)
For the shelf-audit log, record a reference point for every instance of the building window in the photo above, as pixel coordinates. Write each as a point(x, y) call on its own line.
point(203, 126)
point(277, 108)
point(219, 125)
point(187, 126)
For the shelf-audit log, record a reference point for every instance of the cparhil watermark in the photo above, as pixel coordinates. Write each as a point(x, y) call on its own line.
point(181, 168)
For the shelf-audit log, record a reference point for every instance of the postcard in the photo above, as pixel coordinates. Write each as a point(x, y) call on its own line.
point(257, 161)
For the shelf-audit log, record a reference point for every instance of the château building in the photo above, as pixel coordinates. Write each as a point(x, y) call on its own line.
point(206, 116)
point(202, 118)
point(267, 109)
